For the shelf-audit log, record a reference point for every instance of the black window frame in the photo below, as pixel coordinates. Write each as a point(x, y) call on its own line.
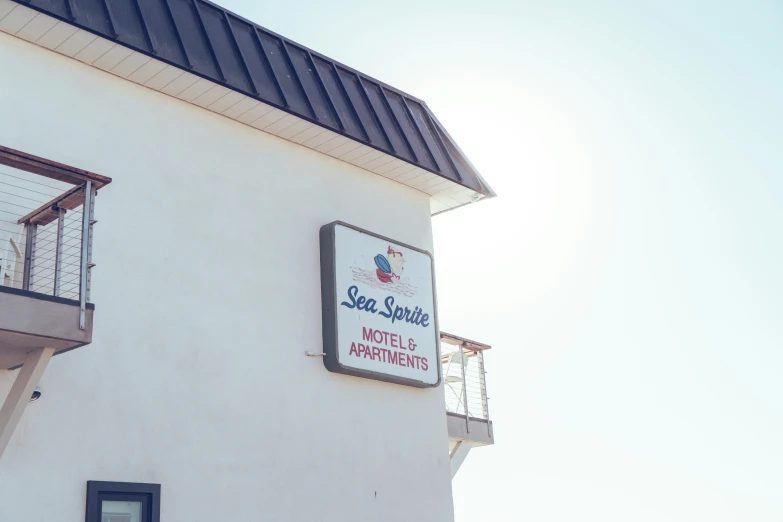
point(147, 494)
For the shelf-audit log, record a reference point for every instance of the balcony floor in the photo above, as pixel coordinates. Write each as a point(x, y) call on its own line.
point(29, 320)
point(478, 432)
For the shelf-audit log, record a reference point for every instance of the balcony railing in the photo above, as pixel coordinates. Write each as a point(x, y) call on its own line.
point(464, 377)
point(46, 229)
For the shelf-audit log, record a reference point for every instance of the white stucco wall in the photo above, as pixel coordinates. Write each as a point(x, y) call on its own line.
point(207, 294)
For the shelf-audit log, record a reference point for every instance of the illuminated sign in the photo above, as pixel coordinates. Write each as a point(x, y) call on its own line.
point(378, 304)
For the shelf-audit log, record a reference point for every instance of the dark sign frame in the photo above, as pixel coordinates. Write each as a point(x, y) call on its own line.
point(329, 308)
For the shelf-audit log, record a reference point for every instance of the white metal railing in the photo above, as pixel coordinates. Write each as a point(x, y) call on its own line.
point(46, 235)
point(464, 377)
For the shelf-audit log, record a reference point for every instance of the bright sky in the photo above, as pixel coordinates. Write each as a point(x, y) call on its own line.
point(630, 275)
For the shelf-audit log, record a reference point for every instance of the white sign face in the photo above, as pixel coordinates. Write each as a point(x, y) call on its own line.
point(379, 308)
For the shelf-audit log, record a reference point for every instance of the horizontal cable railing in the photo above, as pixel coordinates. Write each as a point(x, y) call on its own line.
point(464, 377)
point(45, 238)
point(45, 269)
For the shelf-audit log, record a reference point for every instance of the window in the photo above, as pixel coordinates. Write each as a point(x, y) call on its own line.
point(122, 502)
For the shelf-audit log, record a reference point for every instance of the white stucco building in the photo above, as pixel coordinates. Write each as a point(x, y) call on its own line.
point(209, 153)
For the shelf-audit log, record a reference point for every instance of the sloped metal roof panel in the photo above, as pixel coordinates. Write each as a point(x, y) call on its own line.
point(206, 40)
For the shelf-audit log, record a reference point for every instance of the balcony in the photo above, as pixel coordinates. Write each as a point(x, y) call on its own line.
point(47, 214)
point(465, 387)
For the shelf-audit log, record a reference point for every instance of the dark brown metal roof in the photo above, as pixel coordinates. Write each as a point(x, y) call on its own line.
point(205, 39)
